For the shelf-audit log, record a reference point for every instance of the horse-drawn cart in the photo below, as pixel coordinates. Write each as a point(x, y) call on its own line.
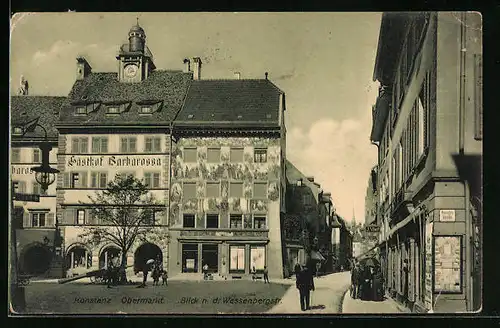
point(98, 276)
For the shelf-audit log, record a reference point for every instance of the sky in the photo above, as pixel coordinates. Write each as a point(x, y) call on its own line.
point(322, 61)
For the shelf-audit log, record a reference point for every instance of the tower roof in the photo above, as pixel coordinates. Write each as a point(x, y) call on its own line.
point(136, 29)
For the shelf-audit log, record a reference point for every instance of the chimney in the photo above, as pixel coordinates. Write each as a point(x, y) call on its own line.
point(187, 68)
point(83, 68)
point(197, 68)
point(311, 179)
point(237, 75)
point(266, 74)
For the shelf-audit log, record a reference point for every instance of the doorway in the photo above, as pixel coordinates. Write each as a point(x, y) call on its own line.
point(145, 252)
point(210, 256)
point(36, 260)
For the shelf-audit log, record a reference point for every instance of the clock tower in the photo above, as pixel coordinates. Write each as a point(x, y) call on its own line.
point(135, 61)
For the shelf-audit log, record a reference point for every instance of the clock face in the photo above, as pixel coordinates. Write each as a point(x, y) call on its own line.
point(131, 70)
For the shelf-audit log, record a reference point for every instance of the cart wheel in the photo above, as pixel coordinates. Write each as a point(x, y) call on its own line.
point(92, 279)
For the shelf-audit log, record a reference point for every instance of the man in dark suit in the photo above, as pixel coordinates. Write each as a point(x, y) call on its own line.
point(305, 283)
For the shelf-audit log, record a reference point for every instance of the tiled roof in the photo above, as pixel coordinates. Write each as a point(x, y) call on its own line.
point(27, 108)
point(168, 87)
point(231, 102)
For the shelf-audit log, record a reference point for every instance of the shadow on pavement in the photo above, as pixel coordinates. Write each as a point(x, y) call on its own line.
point(318, 307)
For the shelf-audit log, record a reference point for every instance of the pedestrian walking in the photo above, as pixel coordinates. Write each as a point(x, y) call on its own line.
point(378, 285)
point(405, 280)
point(145, 271)
point(266, 275)
point(109, 274)
point(297, 269)
point(164, 278)
point(155, 274)
point(254, 273)
point(355, 280)
point(305, 284)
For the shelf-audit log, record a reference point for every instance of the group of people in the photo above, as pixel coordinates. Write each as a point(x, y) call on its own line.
point(265, 275)
point(157, 272)
point(367, 282)
point(305, 284)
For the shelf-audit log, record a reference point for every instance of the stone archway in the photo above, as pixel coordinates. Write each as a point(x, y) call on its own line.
point(146, 252)
point(35, 260)
point(78, 256)
point(108, 253)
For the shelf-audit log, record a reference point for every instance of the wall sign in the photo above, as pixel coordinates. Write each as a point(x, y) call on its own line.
point(447, 264)
point(447, 215)
point(113, 161)
point(22, 170)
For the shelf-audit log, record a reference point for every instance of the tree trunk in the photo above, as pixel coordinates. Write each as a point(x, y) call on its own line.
point(123, 269)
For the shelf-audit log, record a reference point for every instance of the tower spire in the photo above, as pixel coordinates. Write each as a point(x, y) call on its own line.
point(353, 217)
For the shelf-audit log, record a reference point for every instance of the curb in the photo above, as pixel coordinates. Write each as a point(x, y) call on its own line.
point(342, 298)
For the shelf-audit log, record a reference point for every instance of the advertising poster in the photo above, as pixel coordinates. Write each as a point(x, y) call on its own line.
point(447, 264)
point(428, 265)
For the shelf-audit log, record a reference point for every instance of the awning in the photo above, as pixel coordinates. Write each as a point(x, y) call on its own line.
point(403, 223)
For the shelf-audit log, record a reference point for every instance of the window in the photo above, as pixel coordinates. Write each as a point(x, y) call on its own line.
point(189, 190)
point(124, 175)
point(79, 145)
point(17, 131)
point(152, 179)
point(260, 155)
point(213, 155)
point(15, 155)
point(146, 110)
point(259, 222)
point(78, 180)
point(152, 145)
point(113, 110)
point(98, 180)
point(99, 145)
point(478, 97)
point(38, 219)
point(80, 217)
point(128, 144)
point(236, 189)
point(258, 257)
point(81, 110)
point(188, 221)
point(236, 221)
point(213, 189)
point(189, 257)
point(421, 128)
point(237, 259)
point(236, 155)
point(190, 155)
point(36, 156)
point(307, 199)
point(212, 221)
point(20, 186)
point(37, 188)
point(260, 190)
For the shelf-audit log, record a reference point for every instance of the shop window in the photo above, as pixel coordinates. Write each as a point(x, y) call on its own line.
point(188, 221)
point(259, 222)
point(213, 189)
point(189, 257)
point(79, 145)
point(190, 155)
point(213, 155)
point(237, 259)
point(38, 219)
point(236, 155)
point(236, 221)
point(236, 189)
point(258, 257)
point(212, 221)
point(152, 145)
point(260, 190)
point(99, 145)
point(260, 155)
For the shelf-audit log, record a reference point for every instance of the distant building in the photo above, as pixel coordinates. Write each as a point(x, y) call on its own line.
point(371, 199)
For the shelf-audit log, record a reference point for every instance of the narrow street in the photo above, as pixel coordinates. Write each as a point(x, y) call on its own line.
point(327, 297)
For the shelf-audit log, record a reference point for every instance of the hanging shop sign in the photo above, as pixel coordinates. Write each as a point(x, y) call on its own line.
point(447, 264)
point(447, 215)
point(113, 161)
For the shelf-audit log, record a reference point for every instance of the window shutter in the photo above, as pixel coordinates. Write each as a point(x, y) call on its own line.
point(83, 179)
point(74, 145)
point(50, 219)
point(66, 180)
point(89, 218)
point(26, 219)
point(69, 216)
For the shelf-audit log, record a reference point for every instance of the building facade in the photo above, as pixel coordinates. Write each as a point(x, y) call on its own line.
point(116, 123)
point(371, 199)
point(227, 199)
point(427, 121)
point(35, 222)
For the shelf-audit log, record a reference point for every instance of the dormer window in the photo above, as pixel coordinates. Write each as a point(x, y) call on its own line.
point(81, 110)
point(146, 110)
point(17, 131)
point(113, 110)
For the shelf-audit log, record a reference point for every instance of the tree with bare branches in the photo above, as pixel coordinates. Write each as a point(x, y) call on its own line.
point(125, 212)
